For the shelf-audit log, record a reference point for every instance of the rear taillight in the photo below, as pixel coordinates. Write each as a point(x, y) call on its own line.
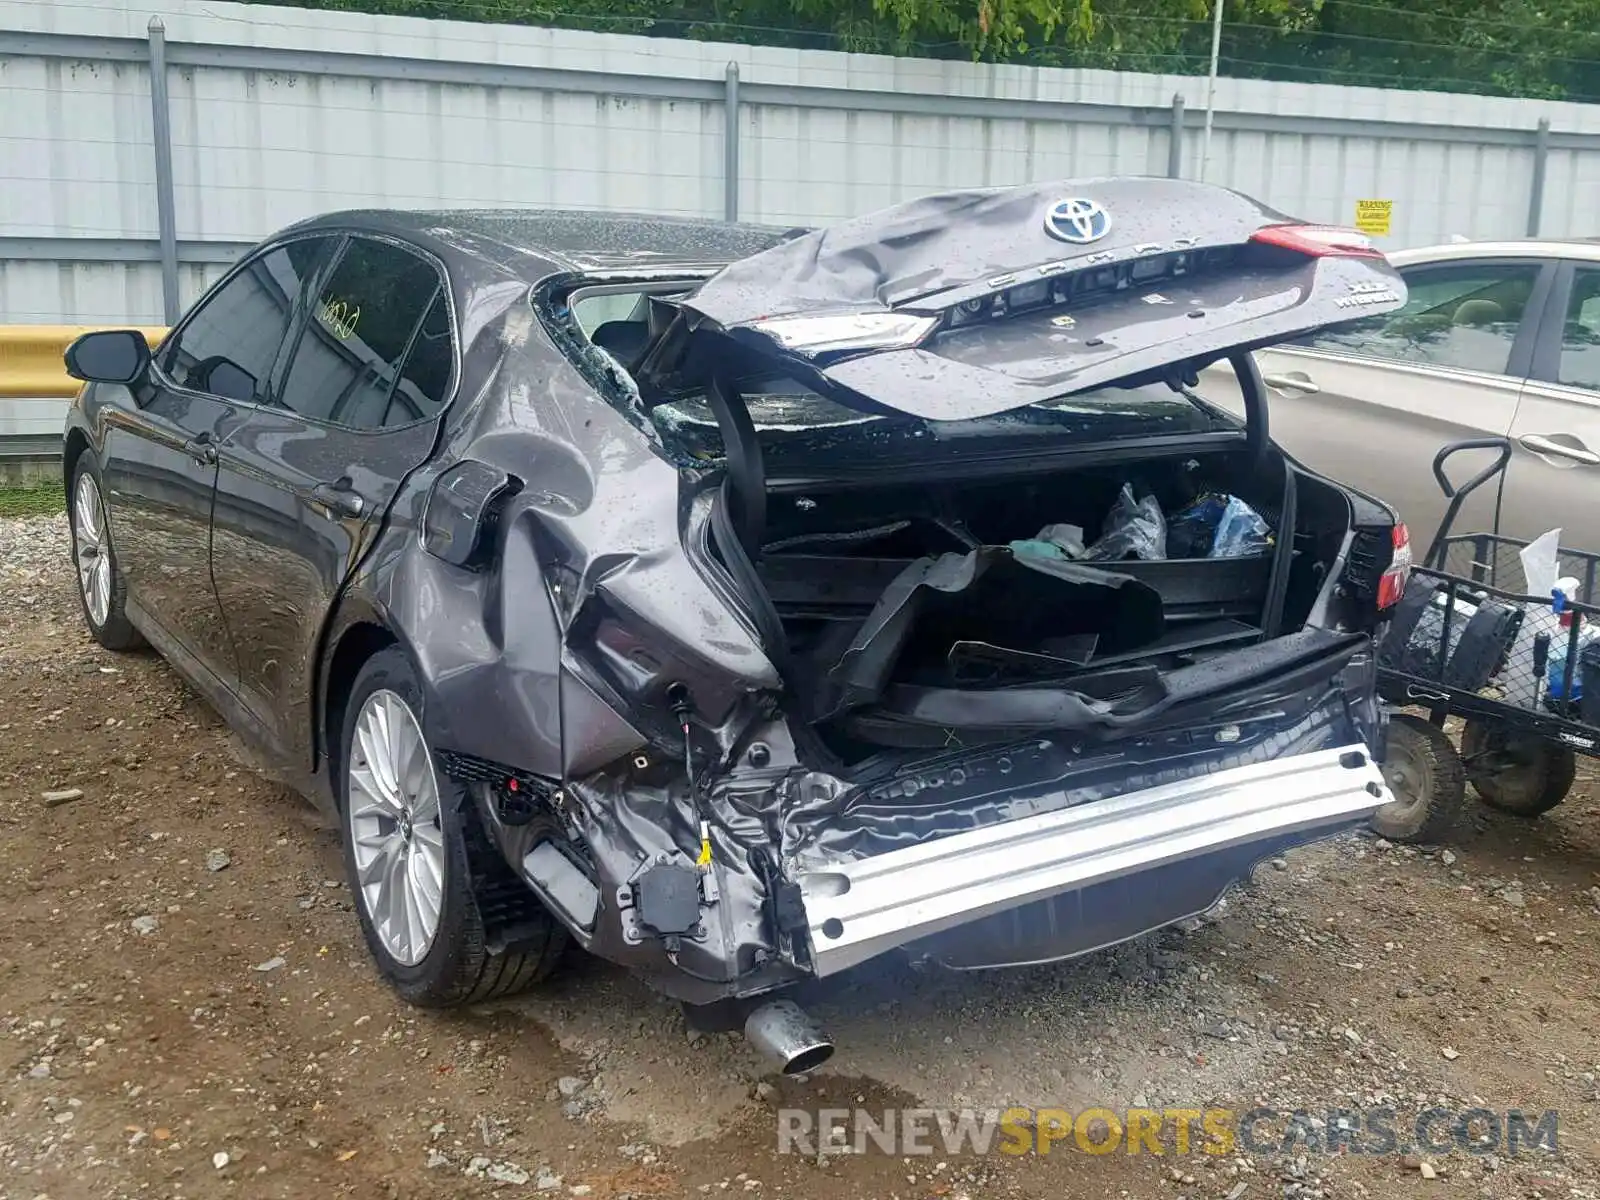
point(1318, 241)
point(1392, 583)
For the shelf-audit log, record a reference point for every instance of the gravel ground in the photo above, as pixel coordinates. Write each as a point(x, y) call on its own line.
point(186, 1007)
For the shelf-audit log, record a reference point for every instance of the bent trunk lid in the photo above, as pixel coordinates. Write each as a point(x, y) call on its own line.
point(969, 304)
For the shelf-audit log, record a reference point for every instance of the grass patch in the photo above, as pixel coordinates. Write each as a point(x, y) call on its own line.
point(41, 499)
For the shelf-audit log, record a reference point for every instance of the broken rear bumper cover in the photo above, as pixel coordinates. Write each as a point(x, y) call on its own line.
point(1029, 849)
point(865, 907)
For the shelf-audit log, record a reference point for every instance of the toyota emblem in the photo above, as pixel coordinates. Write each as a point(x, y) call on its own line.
point(1077, 221)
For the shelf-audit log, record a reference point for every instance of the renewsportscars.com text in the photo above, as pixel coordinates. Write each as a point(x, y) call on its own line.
point(1165, 1131)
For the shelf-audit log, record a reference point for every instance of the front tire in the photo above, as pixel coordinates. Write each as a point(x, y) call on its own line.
point(412, 855)
point(102, 592)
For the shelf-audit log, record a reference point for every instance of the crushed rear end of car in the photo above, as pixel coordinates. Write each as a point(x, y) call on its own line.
point(942, 465)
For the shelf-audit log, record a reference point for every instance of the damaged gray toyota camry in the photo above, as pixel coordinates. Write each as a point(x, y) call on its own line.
point(743, 604)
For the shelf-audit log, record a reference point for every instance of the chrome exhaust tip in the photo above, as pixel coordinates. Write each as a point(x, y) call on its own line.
point(782, 1031)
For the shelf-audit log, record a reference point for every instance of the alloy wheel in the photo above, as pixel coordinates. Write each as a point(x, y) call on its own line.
point(90, 549)
point(396, 829)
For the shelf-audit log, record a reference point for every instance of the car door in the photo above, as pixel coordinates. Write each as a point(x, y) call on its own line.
point(1554, 481)
point(1371, 403)
point(304, 480)
point(161, 465)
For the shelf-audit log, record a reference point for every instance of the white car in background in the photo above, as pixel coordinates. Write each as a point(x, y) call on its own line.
point(1496, 338)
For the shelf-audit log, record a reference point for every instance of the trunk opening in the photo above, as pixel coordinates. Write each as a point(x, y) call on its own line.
point(918, 616)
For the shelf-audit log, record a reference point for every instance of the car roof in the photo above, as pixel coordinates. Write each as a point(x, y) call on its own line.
point(575, 240)
point(1583, 249)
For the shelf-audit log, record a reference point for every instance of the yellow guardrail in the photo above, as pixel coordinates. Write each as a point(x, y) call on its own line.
point(30, 357)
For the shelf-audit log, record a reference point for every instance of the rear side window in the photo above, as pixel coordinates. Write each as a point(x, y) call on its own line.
point(229, 345)
point(424, 384)
point(376, 335)
point(591, 312)
point(1463, 315)
point(618, 322)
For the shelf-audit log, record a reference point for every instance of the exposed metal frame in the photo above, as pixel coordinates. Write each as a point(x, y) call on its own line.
point(166, 203)
point(1541, 160)
point(1175, 139)
point(1211, 90)
point(117, 250)
point(858, 908)
point(730, 144)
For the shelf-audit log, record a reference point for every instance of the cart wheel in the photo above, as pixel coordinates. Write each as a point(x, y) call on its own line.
point(1518, 773)
point(1425, 774)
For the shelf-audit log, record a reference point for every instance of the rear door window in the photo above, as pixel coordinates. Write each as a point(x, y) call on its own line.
point(1464, 315)
point(376, 350)
point(1579, 363)
point(228, 346)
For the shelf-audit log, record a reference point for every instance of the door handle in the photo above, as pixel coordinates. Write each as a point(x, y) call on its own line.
point(1294, 381)
point(340, 497)
point(1542, 444)
point(200, 449)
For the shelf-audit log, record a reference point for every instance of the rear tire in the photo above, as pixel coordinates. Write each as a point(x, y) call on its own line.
point(415, 857)
point(1425, 773)
point(1516, 773)
point(102, 591)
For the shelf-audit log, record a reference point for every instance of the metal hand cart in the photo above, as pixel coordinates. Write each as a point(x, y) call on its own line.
point(1522, 670)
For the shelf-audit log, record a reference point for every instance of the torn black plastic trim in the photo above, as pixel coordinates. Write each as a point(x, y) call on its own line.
point(903, 799)
point(1253, 391)
point(1282, 557)
point(1007, 592)
point(746, 489)
point(1020, 464)
point(1020, 709)
point(769, 628)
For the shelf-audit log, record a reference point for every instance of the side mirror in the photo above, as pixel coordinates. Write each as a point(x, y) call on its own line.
point(108, 356)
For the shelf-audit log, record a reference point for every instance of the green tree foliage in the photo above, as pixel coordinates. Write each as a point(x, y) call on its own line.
point(1545, 48)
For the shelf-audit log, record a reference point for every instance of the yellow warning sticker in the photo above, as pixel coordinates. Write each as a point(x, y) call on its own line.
point(1374, 216)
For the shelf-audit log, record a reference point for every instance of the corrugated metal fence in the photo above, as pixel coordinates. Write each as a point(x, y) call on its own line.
point(138, 155)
